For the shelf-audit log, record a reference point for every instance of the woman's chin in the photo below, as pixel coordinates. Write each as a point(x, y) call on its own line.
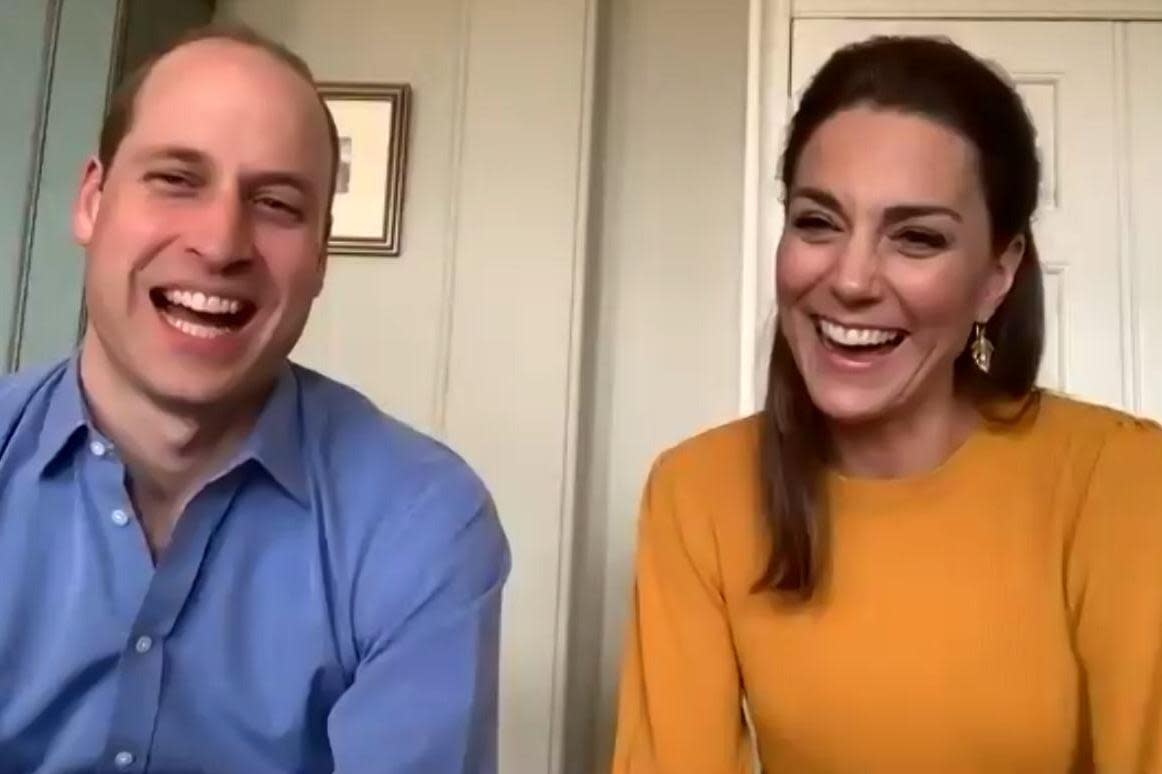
point(846, 405)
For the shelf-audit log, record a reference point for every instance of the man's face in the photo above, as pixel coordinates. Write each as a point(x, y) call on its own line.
point(205, 237)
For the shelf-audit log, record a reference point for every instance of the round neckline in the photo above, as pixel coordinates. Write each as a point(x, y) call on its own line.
point(933, 480)
point(953, 462)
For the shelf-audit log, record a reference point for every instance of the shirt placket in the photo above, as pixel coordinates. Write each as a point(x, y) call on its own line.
point(142, 662)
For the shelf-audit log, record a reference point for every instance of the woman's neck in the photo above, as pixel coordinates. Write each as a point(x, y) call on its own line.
point(909, 443)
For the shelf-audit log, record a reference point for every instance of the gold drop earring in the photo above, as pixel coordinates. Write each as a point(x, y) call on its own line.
point(982, 348)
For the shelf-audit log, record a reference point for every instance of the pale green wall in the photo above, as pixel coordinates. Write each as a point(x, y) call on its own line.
point(60, 60)
point(23, 41)
point(81, 72)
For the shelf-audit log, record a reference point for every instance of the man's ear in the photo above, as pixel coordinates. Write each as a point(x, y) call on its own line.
point(88, 201)
point(1000, 279)
point(321, 271)
point(321, 268)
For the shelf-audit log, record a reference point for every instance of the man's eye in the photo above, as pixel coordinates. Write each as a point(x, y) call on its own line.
point(279, 207)
point(170, 179)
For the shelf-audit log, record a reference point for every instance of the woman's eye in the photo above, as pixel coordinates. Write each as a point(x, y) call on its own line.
point(813, 223)
point(919, 239)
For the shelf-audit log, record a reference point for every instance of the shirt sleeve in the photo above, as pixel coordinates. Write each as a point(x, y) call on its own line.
point(679, 706)
point(427, 612)
point(1115, 582)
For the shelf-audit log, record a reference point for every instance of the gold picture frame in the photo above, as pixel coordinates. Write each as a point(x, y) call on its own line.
point(373, 124)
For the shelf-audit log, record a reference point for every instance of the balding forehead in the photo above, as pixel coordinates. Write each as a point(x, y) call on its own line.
point(222, 59)
point(217, 57)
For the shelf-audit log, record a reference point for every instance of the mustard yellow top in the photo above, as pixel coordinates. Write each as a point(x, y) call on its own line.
point(1000, 614)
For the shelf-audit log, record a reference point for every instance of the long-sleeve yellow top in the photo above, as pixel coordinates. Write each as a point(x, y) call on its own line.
point(1002, 613)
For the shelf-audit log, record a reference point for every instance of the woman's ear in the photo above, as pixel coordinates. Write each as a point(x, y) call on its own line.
point(1002, 271)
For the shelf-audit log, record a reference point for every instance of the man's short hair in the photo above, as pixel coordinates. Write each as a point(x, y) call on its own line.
point(119, 116)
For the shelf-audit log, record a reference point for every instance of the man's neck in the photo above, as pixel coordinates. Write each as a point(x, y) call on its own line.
point(908, 444)
point(168, 453)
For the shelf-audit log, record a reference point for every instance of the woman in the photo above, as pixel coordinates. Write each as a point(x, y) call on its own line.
point(912, 560)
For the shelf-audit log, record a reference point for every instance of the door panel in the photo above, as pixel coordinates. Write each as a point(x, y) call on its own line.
point(1144, 63)
point(1065, 73)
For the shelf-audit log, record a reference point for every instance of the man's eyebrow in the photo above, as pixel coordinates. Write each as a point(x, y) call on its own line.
point(172, 153)
point(300, 183)
point(252, 180)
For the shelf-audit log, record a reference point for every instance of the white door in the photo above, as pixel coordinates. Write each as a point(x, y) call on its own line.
point(1071, 77)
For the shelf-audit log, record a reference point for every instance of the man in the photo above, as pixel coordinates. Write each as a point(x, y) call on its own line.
point(210, 559)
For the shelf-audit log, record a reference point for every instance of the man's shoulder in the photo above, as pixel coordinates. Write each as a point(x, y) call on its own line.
point(358, 442)
point(20, 389)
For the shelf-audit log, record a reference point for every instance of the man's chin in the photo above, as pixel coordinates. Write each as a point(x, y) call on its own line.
point(194, 393)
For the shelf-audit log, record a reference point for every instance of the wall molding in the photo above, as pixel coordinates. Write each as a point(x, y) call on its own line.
point(767, 113)
point(451, 228)
point(567, 510)
point(1131, 344)
point(980, 9)
point(32, 190)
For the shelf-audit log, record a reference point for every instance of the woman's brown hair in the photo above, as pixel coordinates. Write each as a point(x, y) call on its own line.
point(941, 81)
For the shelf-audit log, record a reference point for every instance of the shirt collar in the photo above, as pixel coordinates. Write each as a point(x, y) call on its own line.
point(275, 442)
point(65, 418)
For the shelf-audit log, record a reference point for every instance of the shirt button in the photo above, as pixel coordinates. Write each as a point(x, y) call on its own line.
point(123, 759)
point(143, 644)
point(98, 448)
point(119, 517)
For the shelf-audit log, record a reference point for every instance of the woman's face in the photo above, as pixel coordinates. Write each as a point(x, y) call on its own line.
point(885, 262)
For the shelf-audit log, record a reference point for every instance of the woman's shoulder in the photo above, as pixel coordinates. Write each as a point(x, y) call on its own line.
point(1082, 422)
point(715, 470)
point(730, 447)
point(1098, 443)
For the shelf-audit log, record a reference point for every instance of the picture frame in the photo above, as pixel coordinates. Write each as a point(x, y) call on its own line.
point(373, 124)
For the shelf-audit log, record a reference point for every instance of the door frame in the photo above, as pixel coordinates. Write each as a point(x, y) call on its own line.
point(768, 105)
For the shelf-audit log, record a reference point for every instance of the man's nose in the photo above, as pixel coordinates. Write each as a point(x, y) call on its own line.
point(220, 233)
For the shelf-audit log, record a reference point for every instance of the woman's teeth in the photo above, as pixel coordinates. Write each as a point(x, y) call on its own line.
point(857, 337)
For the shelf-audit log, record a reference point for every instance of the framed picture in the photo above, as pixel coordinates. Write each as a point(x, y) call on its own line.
point(372, 120)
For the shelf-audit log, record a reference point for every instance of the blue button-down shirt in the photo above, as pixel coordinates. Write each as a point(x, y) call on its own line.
point(330, 601)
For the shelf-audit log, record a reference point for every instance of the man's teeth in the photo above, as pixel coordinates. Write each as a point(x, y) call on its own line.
point(200, 302)
point(195, 329)
point(857, 337)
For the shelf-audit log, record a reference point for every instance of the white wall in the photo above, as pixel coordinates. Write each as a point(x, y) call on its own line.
point(662, 361)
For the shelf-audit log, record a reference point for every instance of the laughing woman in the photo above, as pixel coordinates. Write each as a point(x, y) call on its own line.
point(912, 560)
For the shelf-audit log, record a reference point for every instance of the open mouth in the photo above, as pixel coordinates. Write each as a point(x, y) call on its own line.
point(858, 341)
point(202, 315)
